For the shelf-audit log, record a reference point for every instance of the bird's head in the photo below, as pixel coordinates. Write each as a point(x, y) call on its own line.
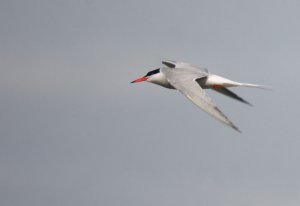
point(149, 77)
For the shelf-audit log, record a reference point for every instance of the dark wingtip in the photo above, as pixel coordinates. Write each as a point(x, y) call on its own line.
point(248, 103)
point(236, 129)
point(169, 63)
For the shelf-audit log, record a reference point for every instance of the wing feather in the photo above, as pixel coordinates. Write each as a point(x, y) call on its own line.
point(229, 93)
point(184, 81)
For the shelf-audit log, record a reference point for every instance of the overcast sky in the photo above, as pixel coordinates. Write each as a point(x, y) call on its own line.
point(73, 131)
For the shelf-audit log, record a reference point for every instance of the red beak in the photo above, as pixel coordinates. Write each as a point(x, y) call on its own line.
point(140, 80)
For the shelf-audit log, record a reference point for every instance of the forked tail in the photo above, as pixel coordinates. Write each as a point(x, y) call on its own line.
point(256, 86)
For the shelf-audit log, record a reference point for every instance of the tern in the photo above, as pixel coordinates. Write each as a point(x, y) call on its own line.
point(191, 81)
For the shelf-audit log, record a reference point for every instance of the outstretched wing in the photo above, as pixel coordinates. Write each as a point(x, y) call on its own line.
point(174, 64)
point(184, 81)
point(229, 93)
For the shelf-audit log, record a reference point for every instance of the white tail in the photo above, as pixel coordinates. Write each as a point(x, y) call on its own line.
point(256, 86)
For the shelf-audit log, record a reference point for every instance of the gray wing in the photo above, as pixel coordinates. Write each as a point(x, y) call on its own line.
point(184, 81)
point(174, 64)
point(229, 93)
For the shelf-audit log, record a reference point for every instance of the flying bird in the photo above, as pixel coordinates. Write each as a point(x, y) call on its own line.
point(191, 81)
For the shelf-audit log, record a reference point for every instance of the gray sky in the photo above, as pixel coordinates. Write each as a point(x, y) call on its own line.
point(75, 132)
